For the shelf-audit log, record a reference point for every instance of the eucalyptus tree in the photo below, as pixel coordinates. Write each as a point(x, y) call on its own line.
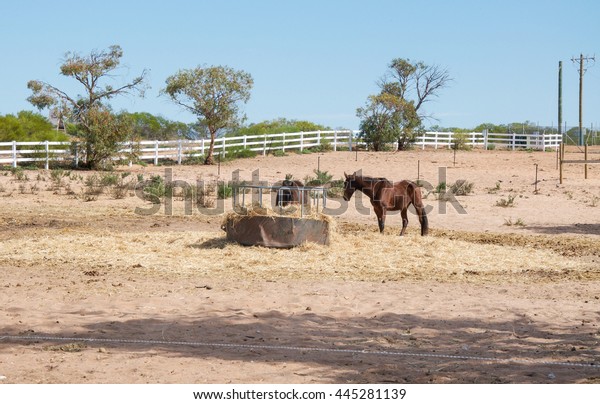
point(89, 113)
point(404, 90)
point(214, 95)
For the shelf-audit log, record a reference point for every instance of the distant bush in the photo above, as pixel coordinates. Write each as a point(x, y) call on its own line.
point(28, 126)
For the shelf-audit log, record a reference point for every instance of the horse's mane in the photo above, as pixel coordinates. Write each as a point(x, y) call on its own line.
point(373, 179)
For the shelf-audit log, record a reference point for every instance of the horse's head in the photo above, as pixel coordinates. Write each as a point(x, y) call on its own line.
point(349, 186)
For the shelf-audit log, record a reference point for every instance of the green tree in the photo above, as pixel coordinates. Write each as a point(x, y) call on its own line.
point(212, 94)
point(403, 91)
point(151, 127)
point(386, 118)
point(280, 125)
point(106, 132)
point(87, 110)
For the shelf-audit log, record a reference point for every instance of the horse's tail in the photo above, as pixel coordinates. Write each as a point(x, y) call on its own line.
point(417, 201)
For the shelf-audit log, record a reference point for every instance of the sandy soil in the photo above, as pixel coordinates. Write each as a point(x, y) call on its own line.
point(93, 292)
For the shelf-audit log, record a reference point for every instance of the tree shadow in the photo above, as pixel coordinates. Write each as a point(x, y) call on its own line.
point(387, 348)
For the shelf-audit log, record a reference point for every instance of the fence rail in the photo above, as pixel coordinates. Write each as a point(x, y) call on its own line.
point(179, 150)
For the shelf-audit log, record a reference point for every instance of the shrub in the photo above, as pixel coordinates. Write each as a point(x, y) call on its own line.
point(154, 189)
point(240, 153)
point(336, 190)
point(462, 187)
point(204, 198)
point(506, 203)
point(322, 178)
point(441, 188)
point(224, 190)
point(461, 141)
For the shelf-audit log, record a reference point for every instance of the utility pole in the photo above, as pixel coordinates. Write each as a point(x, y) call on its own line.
point(560, 97)
point(581, 60)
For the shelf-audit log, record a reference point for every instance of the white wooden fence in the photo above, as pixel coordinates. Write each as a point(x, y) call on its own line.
point(179, 150)
point(513, 141)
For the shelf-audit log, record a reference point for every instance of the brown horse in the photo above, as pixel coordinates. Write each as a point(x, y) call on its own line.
point(290, 193)
point(387, 196)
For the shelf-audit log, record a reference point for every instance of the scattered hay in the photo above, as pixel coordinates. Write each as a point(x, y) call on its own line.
point(357, 253)
point(288, 211)
point(73, 347)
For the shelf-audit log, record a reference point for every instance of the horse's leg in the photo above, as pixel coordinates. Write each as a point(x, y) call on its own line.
point(380, 212)
point(404, 221)
point(422, 219)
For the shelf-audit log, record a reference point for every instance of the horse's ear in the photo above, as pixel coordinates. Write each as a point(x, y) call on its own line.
point(345, 175)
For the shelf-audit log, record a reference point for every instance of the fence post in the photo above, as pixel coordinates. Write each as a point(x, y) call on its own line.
point(265, 145)
point(179, 150)
point(244, 141)
point(514, 140)
point(14, 153)
point(350, 133)
point(47, 155)
point(319, 137)
point(435, 141)
point(223, 151)
point(301, 141)
point(283, 143)
point(485, 139)
point(131, 153)
point(76, 148)
point(544, 141)
point(585, 156)
point(335, 140)
point(156, 152)
point(202, 145)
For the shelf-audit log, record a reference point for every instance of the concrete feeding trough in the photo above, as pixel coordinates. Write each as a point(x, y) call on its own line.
point(277, 226)
point(276, 231)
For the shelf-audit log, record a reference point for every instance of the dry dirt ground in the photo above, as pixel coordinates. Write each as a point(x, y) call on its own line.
point(92, 291)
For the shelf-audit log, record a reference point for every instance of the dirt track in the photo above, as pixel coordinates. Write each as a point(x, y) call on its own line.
point(478, 301)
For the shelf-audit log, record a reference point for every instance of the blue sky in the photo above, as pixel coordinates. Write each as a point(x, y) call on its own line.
point(320, 60)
